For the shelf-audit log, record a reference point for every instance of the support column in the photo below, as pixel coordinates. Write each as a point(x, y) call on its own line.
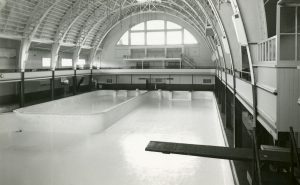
point(91, 80)
point(225, 98)
point(23, 56)
point(237, 135)
point(22, 89)
point(181, 64)
point(150, 82)
point(75, 83)
point(54, 55)
point(52, 82)
point(54, 59)
point(233, 111)
point(92, 57)
point(217, 88)
point(234, 114)
point(76, 56)
point(192, 82)
point(169, 88)
point(116, 87)
point(257, 170)
point(228, 111)
point(75, 61)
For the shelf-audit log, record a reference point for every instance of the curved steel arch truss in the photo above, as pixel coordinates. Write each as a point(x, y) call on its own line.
point(83, 23)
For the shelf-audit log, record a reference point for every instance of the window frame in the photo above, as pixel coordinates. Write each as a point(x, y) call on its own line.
point(165, 29)
point(64, 60)
point(43, 60)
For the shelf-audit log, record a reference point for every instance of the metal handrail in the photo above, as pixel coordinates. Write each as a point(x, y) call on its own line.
point(246, 75)
point(10, 70)
point(94, 68)
point(268, 39)
point(158, 67)
point(40, 70)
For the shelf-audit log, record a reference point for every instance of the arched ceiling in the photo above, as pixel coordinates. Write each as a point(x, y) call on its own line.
point(83, 22)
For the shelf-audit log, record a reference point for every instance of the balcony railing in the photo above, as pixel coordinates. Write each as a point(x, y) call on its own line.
point(160, 67)
point(267, 50)
point(245, 75)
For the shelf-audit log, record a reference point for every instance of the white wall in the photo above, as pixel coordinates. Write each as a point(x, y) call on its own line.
point(9, 54)
point(9, 61)
point(136, 79)
point(35, 58)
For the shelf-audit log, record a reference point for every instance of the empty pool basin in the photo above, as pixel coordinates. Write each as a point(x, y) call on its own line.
point(87, 113)
point(88, 103)
point(117, 155)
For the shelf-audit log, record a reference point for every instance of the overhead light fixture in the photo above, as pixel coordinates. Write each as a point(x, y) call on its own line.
point(2, 4)
point(147, 1)
point(239, 29)
point(220, 51)
point(209, 29)
point(225, 45)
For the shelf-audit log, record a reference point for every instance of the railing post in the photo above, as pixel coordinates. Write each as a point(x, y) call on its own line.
point(91, 80)
point(52, 82)
point(75, 83)
point(169, 88)
point(256, 155)
point(116, 82)
point(192, 82)
point(22, 89)
point(150, 82)
point(225, 97)
point(234, 117)
point(267, 50)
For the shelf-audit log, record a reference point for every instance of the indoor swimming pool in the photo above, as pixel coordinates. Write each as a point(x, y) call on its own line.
point(88, 103)
point(116, 155)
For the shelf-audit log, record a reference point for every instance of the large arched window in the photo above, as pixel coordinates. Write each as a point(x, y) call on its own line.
point(157, 32)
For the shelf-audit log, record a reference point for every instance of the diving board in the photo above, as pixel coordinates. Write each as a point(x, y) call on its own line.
point(240, 154)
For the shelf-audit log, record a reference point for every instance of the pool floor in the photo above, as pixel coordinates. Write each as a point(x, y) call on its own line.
point(117, 156)
point(89, 103)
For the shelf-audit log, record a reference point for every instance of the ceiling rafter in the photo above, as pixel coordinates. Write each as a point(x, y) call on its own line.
point(74, 21)
point(75, 12)
point(198, 27)
point(165, 2)
point(100, 42)
point(100, 11)
point(181, 16)
point(39, 14)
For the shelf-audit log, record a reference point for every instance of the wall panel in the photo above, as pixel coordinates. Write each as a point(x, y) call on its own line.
point(288, 94)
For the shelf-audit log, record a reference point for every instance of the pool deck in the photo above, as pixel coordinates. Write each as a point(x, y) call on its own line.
point(117, 155)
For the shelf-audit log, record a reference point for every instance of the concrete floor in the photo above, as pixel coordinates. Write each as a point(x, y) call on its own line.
point(116, 156)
